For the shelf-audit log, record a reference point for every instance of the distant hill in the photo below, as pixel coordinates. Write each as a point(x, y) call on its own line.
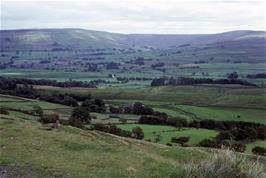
point(69, 39)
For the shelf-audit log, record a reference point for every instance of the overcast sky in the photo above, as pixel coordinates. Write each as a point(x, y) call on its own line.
point(137, 16)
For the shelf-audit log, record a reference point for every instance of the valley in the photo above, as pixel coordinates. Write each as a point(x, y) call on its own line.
point(71, 98)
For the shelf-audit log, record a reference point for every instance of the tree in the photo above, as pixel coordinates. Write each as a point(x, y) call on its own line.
point(38, 110)
point(137, 133)
point(69, 101)
point(258, 150)
point(180, 140)
point(81, 113)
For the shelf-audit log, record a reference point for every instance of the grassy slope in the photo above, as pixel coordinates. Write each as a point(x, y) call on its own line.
point(27, 149)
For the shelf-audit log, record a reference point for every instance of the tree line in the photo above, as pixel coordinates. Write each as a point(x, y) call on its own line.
point(259, 75)
point(164, 81)
point(45, 82)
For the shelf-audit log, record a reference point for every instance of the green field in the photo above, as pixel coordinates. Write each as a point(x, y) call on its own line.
point(185, 95)
point(167, 132)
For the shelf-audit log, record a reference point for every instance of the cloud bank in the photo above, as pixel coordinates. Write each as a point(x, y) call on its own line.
point(142, 16)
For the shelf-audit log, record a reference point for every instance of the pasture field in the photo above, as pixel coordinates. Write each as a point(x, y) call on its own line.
point(188, 102)
point(16, 104)
point(167, 132)
point(211, 70)
point(226, 113)
point(29, 150)
point(185, 95)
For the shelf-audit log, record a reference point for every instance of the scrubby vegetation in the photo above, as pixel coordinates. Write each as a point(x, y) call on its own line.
point(259, 150)
point(225, 164)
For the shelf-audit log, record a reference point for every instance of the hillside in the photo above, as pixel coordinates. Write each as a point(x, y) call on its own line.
point(30, 150)
point(45, 39)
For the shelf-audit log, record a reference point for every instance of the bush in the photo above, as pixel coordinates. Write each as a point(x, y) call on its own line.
point(81, 113)
point(180, 140)
point(37, 110)
point(258, 150)
point(207, 143)
point(137, 133)
point(49, 118)
point(75, 122)
point(4, 110)
point(225, 164)
point(169, 144)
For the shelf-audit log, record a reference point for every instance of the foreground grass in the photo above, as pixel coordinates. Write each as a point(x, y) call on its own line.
point(28, 150)
point(225, 164)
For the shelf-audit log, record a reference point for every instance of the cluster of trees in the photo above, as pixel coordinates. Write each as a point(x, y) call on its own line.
point(136, 132)
point(137, 108)
point(45, 82)
point(163, 81)
point(231, 144)
point(80, 116)
point(163, 119)
point(94, 105)
point(233, 139)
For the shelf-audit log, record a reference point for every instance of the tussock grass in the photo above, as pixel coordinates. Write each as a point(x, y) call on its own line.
point(225, 164)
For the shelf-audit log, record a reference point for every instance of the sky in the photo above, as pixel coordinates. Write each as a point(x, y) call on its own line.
point(136, 16)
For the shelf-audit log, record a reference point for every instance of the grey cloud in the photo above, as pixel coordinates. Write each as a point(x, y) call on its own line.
point(136, 16)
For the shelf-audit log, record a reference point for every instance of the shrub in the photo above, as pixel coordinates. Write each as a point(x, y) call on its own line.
point(225, 164)
point(4, 110)
point(37, 110)
point(137, 133)
point(49, 118)
point(169, 144)
point(180, 140)
point(207, 143)
point(75, 122)
point(257, 150)
point(81, 113)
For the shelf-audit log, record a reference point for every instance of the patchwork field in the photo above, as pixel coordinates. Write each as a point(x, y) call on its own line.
point(188, 102)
